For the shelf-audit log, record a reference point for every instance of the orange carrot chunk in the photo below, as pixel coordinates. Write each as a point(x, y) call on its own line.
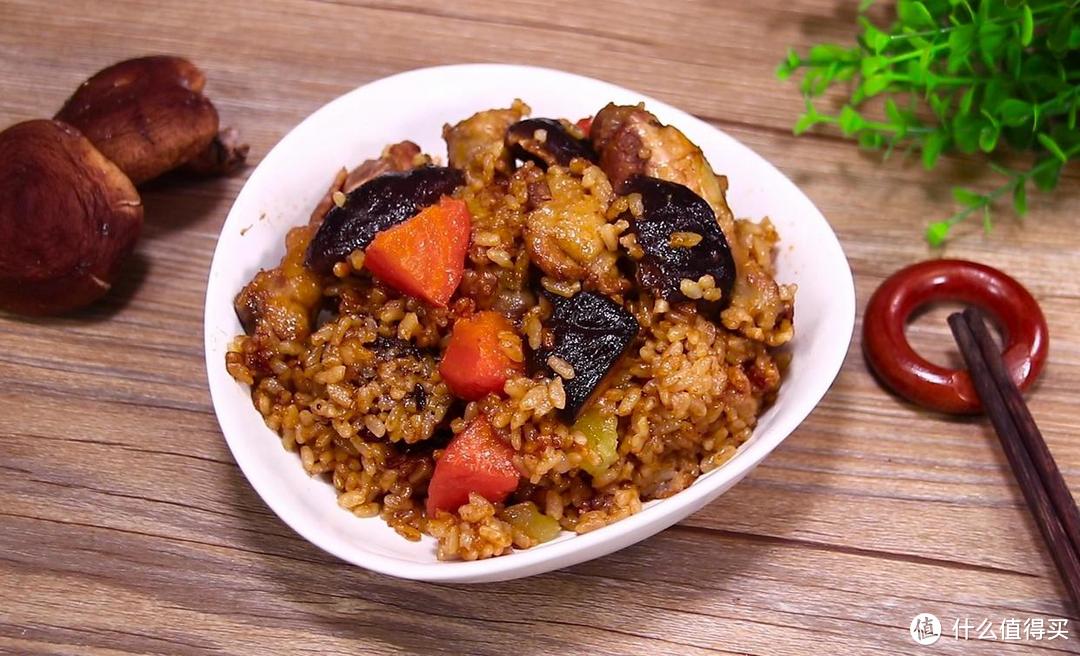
point(476, 362)
point(476, 460)
point(424, 256)
point(585, 125)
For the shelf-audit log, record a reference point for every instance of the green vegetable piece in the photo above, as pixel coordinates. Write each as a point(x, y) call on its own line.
point(601, 440)
point(528, 519)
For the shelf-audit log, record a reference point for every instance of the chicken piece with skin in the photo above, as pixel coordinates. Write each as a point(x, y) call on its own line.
point(631, 141)
point(477, 145)
point(562, 234)
point(283, 301)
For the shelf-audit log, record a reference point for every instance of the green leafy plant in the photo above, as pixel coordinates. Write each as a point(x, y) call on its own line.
point(989, 76)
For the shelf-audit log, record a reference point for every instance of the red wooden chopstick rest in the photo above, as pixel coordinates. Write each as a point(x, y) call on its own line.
point(950, 390)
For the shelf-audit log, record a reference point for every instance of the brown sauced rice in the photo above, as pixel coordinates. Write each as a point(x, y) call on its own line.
point(346, 370)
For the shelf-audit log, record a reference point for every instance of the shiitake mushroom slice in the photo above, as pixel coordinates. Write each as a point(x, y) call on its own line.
point(546, 142)
point(376, 205)
point(673, 216)
point(590, 332)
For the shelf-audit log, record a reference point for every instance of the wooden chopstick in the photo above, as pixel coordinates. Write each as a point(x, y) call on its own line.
point(1056, 487)
point(1032, 485)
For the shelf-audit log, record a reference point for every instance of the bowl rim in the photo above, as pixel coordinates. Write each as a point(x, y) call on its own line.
point(567, 550)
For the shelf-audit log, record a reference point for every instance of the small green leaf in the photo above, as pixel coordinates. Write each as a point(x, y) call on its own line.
point(845, 73)
point(988, 138)
point(892, 112)
point(850, 120)
point(1027, 26)
point(874, 85)
point(915, 15)
point(871, 140)
point(967, 198)
point(961, 42)
point(874, 39)
point(932, 146)
point(991, 43)
point(1058, 38)
point(805, 122)
point(940, 105)
point(966, 100)
point(1020, 197)
point(1015, 111)
point(1074, 38)
point(1046, 177)
point(827, 52)
point(1001, 170)
point(1048, 142)
point(870, 65)
point(783, 72)
point(937, 232)
point(994, 93)
point(864, 5)
point(793, 59)
point(966, 131)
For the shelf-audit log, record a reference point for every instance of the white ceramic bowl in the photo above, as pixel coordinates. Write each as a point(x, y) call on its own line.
point(287, 184)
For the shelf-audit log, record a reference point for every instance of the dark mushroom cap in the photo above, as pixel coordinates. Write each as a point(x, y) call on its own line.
point(590, 332)
point(378, 204)
point(671, 208)
point(147, 115)
point(555, 146)
point(68, 217)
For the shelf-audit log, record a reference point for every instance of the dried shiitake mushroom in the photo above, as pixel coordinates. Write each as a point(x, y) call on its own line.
point(69, 212)
point(148, 115)
point(68, 217)
point(225, 154)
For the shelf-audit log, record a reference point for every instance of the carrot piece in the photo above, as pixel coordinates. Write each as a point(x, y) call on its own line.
point(585, 124)
point(475, 362)
point(424, 257)
point(476, 460)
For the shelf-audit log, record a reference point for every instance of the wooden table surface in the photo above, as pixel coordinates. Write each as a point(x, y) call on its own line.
point(126, 527)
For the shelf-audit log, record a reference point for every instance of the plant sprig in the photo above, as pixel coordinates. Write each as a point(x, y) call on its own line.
point(974, 76)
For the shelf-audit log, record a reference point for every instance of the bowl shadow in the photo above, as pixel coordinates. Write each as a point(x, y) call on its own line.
point(671, 570)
